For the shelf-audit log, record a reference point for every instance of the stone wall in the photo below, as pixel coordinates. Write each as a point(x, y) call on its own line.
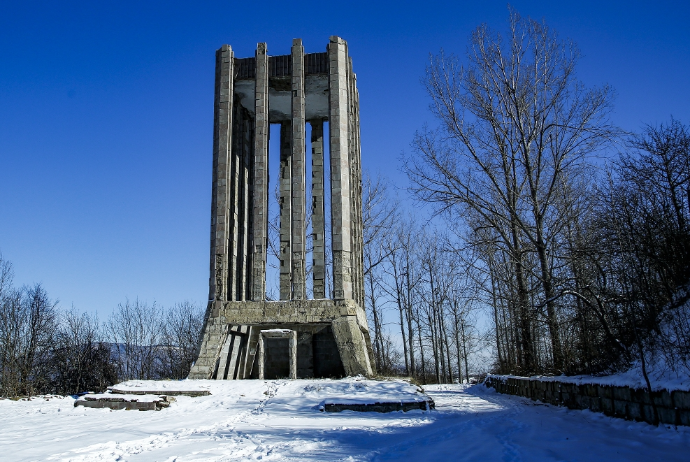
point(615, 401)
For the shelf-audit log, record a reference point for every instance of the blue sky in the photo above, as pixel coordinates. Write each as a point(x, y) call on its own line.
point(106, 115)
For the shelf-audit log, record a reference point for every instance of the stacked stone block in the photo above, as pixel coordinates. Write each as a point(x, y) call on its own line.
point(672, 407)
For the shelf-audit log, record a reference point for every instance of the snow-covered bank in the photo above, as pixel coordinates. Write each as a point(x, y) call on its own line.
point(280, 420)
point(661, 378)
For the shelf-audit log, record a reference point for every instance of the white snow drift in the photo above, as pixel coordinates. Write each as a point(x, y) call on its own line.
point(280, 420)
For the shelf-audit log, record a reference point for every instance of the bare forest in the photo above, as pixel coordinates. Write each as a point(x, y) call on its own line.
point(45, 349)
point(580, 264)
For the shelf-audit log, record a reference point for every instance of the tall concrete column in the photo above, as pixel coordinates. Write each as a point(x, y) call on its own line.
point(243, 274)
point(285, 211)
point(318, 225)
point(292, 352)
point(340, 169)
point(222, 142)
point(233, 205)
point(356, 192)
point(260, 177)
point(299, 287)
point(358, 160)
point(261, 351)
point(354, 229)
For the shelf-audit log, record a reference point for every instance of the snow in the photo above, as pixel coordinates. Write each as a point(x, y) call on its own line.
point(660, 377)
point(125, 397)
point(280, 420)
point(163, 385)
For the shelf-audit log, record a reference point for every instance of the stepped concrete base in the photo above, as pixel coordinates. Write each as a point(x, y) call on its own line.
point(333, 338)
point(193, 393)
point(395, 406)
point(127, 402)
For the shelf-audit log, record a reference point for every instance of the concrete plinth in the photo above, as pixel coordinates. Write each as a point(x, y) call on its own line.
point(345, 321)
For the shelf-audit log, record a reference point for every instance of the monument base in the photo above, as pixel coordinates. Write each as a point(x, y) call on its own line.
point(281, 339)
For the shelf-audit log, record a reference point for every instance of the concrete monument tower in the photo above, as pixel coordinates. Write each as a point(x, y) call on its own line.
point(245, 335)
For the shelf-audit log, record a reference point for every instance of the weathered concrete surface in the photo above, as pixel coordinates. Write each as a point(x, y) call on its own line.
point(341, 220)
point(318, 224)
point(347, 319)
point(222, 141)
point(289, 311)
point(299, 173)
point(260, 176)
point(352, 346)
point(285, 188)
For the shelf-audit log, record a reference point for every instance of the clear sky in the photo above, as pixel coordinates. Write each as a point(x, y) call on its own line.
point(106, 115)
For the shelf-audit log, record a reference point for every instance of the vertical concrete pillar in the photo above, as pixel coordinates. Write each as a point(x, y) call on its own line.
point(340, 169)
point(285, 211)
point(353, 181)
point(261, 351)
point(260, 177)
point(222, 142)
point(318, 224)
point(244, 206)
point(356, 167)
point(299, 172)
point(293, 354)
point(234, 210)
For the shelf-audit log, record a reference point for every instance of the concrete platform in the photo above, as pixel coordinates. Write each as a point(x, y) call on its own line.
point(127, 402)
point(160, 388)
point(193, 393)
point(393, 406)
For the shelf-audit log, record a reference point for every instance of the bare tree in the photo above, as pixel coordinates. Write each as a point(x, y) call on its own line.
point(79, 358)
point(181, 328)
point(379, 213)
point(514, 124)
point(27, 324)
point(402, 279)
point(134, 329)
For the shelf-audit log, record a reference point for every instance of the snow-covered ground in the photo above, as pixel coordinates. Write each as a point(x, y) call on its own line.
point(280, 420)
point(661, 377)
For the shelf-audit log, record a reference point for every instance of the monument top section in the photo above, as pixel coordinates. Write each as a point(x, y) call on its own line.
point(314, 67)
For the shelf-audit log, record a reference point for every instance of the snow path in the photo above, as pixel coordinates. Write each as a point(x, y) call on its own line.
point(279, 420)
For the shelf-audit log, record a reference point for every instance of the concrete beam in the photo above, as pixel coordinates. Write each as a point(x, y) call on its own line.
point(292, 312)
